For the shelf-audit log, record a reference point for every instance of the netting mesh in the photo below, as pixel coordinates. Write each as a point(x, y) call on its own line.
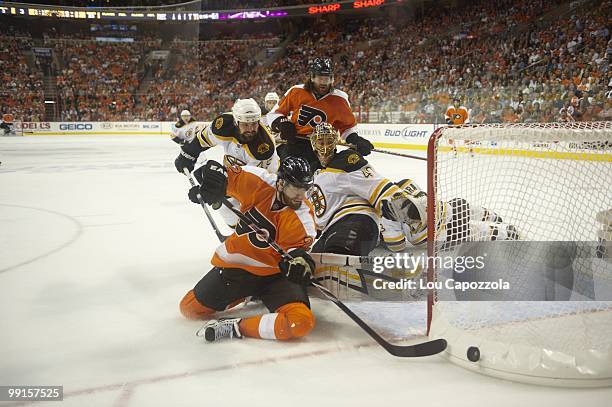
point(528, 195)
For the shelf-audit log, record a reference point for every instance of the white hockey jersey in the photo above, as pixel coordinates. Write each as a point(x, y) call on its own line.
point(259, 152)
point(182, 132)
point(348, 185)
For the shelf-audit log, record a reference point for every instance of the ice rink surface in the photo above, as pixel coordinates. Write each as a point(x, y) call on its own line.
point(99, 243)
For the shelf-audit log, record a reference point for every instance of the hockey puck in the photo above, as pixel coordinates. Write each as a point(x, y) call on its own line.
point(473, 354)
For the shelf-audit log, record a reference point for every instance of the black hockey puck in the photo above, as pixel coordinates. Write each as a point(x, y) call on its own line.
point(473, 354)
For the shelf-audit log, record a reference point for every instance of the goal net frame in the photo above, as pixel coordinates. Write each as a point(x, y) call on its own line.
point(471, 145)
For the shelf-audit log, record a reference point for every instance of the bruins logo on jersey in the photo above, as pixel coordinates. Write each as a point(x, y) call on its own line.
point(263, 148)
point(230, 160)
point(219, 123)
point(310, 116)
point(317, 199)
point(352, 159)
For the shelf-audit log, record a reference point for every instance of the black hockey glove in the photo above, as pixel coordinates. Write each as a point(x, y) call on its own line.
point(363, 146)
point(299, 270)
point(212, 177)
point(184, 160)
point(285, 127)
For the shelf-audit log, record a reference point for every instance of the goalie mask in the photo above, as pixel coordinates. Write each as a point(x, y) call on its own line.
point(247, 114)
point(324, 140)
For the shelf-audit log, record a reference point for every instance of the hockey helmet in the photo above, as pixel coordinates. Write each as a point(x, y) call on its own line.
point(296, 171)
point(185, 115)
point(324, 139)
point(246, 111)
point(322, 66)
point(271, 97)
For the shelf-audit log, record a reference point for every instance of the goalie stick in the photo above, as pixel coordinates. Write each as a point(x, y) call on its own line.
point(417, 350)
point(220, 235)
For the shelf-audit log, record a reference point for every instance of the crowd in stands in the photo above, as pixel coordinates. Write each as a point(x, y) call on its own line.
point(21, 86)
point(508, 61)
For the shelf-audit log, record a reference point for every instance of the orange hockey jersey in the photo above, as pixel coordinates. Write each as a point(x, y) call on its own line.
point(306, 111)
point(255, 189)
point(458, 115)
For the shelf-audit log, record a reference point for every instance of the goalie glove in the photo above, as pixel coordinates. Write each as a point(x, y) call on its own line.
point(363, 146)
point(298, 270)
point(406, 208)
point(212, 177)
point(285, 127)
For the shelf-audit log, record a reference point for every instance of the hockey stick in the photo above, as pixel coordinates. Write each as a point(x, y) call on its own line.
point(421, 349)
point(376, 150)
point(220, 235)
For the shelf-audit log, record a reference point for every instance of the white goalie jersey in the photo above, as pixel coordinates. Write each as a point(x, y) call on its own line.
point(348, 185)
point(458, 220)
point(258, 152)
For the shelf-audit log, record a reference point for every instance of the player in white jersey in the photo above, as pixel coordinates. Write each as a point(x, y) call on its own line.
point(270, 100)
point(458, 221)
point(350, 197)
point(245, 141)
point(184, 130)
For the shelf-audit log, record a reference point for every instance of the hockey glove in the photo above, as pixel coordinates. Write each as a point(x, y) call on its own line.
point(298, 270)
point(212, 177)
point(285, 127)
point(406, 208)
point(363, 146)
point(184, 160)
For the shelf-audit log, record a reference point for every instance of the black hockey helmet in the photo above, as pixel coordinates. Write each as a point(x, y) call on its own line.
point(296, 171)
point(322, 66)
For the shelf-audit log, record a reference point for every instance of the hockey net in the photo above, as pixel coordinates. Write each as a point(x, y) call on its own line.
point(552, 182)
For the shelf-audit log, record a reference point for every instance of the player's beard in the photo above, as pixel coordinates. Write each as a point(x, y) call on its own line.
point(248, 136)
point(322, 90)
point(293, 203)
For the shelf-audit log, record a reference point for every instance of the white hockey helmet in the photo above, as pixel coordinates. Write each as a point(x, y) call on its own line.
point(271, 96)
point(185, 115)
point(246, 110)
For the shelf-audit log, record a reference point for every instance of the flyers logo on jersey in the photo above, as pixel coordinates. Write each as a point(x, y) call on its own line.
point(268, 231)
point(310, 116)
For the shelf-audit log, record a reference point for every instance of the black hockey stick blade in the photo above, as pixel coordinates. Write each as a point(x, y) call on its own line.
point(403, 351)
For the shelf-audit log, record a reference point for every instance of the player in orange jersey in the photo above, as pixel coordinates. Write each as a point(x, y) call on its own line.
point(457, 114)
point(245, 265)
point(305, 106)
